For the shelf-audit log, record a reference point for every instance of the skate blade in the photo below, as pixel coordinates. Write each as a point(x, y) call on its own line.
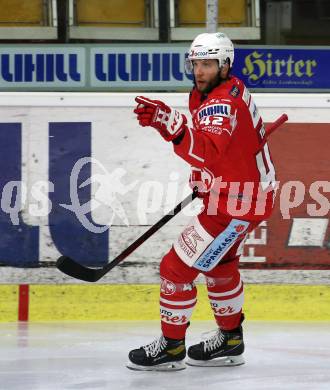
point(170, 366)
point(225, 361)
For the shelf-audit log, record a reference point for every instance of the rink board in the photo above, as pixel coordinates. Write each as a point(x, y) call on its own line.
point(140, 302)
point(44, 134)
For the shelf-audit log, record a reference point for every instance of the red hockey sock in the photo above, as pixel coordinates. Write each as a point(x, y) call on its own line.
point(177, 295)
point(226, 295)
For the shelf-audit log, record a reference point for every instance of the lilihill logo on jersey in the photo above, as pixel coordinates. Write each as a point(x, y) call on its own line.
point(215, 109)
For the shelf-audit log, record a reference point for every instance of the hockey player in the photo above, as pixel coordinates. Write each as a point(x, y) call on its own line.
point(234, 173)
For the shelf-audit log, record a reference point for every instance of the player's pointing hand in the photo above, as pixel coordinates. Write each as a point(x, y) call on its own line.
point(169, 122)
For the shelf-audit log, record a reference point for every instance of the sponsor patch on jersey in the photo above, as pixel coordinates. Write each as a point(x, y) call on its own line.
point(192, 242)
point(214, 109)
point(190, 237)
point(234, 91)
point(221, 245)
point(216, 130)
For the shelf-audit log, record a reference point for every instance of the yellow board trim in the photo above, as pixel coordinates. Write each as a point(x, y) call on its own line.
point(140, 302)
point(8, 303)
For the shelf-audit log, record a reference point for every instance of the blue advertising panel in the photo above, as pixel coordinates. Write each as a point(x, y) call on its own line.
point(20, 242)
point(155, 67)
point(49, 67)
point(160, 67)
point(283, 68)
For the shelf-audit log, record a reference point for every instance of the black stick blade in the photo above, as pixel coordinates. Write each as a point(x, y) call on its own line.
point(76, 270)
point(73, 268)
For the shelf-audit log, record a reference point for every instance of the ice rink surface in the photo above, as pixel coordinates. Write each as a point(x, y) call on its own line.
point(92, 355)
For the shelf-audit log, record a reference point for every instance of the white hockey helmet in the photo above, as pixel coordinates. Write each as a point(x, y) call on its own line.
point(215, 46)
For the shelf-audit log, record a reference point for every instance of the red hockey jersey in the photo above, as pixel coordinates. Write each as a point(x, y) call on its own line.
point(228, 153)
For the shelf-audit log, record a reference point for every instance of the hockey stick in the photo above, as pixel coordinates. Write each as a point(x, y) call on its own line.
point(272, 127)
point(78, 271)
point(72, 268)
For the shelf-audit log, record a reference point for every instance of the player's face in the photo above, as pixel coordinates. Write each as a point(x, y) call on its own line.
point(206, 74)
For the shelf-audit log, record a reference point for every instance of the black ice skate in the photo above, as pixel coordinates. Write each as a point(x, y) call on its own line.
point(162, 354)
point(223, 348)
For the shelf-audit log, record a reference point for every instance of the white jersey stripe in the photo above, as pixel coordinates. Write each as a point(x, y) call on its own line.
point(178, 303)
point(191, 154)
point(227, 293)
